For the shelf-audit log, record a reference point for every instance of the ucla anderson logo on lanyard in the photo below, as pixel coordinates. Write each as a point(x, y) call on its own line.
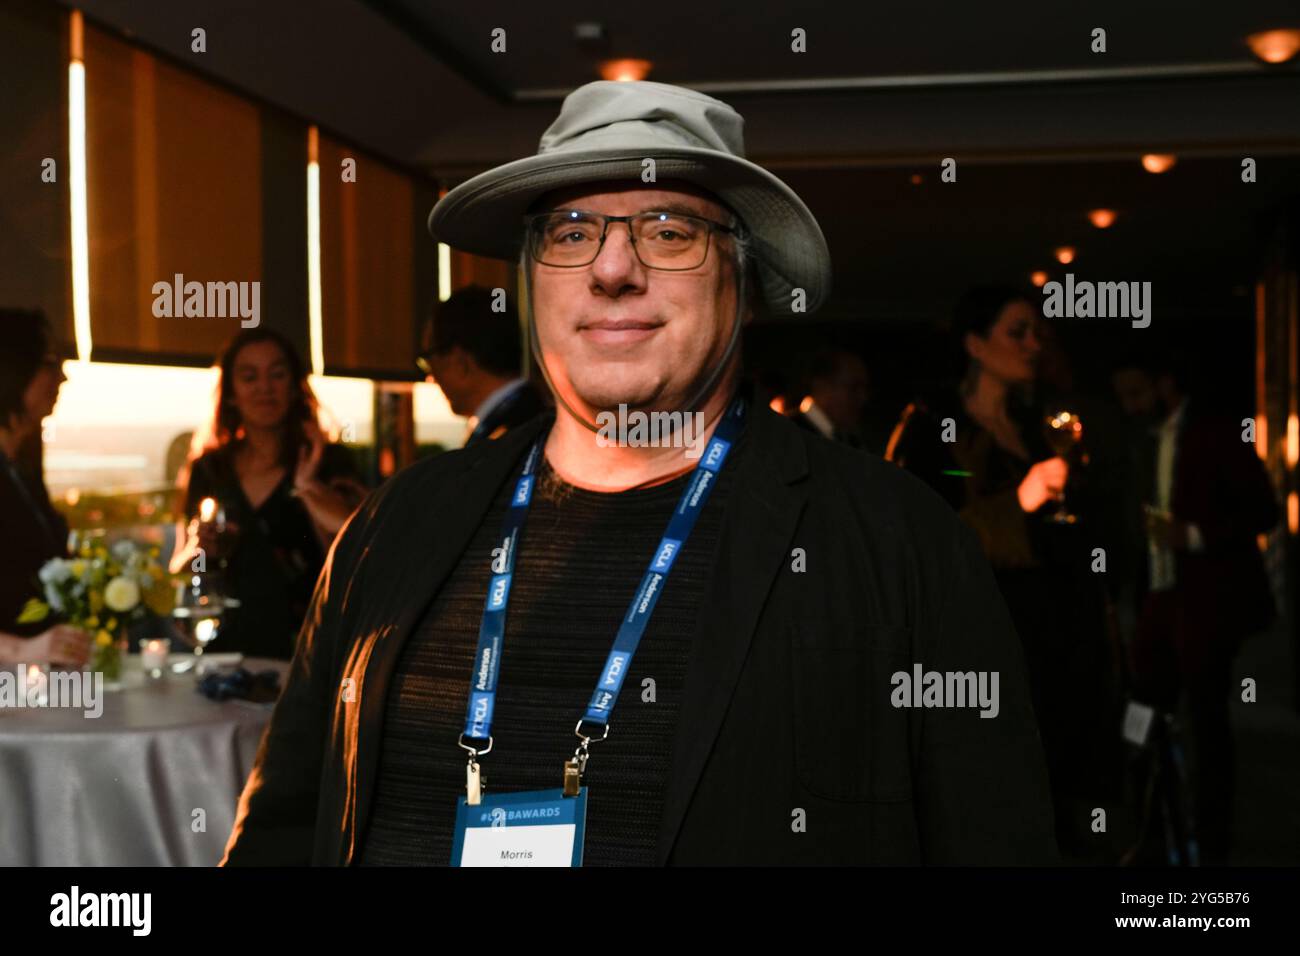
point(536, 828)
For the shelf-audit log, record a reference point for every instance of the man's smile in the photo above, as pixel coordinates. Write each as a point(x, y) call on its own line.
point(617, 332)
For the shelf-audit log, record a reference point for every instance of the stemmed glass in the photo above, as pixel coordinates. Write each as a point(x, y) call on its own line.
point(1063, 430)
point(198, 609)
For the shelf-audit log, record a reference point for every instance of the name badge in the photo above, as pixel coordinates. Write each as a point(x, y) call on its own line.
point(533, 828)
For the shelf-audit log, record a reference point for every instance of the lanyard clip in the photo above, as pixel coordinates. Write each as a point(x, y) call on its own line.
point(475, 781)
point(577, 766)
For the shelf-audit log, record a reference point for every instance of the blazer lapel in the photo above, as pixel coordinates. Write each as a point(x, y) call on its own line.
point(762, 512)
point(444, 517)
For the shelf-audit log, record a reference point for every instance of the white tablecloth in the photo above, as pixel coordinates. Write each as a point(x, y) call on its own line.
point(123, 789)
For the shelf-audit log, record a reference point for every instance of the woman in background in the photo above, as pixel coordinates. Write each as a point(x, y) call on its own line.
point(283, 489)
point(32, 532)
point(985, 450)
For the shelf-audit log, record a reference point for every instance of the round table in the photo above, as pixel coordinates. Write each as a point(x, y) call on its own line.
point(152, 781)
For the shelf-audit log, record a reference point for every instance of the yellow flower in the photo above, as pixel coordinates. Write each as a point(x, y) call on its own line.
point(92, 622)
point(103, 639)
point(78, 568)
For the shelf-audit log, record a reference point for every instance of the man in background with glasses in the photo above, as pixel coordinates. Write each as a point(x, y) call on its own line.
point(660, 657)
point(474, 352)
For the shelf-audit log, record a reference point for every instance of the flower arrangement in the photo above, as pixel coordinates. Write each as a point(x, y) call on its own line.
point(101, 589)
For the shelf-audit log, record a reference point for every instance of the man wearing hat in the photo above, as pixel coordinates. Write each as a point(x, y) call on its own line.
point(562, 648)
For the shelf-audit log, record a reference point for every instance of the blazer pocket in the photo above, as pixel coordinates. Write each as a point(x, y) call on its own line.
point(850, 743)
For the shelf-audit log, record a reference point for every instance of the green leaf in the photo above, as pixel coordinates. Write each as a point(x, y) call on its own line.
point(34, 610)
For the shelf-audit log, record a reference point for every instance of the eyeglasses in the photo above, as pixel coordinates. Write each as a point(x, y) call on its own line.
point(668, 241)
point(424, 362)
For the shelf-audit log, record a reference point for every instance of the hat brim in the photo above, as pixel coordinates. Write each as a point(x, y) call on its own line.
point(484, 215)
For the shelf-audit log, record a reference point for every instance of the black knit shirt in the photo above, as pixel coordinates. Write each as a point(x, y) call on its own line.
point(580, 561)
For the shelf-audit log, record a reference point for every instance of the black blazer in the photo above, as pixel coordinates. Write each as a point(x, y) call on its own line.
point(787, 697)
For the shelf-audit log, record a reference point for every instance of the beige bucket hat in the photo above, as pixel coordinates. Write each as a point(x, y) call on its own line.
point(603, 133)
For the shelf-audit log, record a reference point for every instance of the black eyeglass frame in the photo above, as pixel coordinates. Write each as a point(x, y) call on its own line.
point(530, 235)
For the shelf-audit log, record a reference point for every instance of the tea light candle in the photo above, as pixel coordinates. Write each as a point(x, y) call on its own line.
point(153, 652)
point(38, 683)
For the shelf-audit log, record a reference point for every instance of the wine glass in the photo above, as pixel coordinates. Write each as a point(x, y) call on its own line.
point(198, 610)
point(1063, 430)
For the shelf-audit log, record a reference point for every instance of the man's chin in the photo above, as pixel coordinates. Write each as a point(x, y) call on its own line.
point(608, 396)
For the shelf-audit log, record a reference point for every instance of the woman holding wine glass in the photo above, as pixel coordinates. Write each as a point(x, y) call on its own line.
point(1002, 457)
point(265, 497)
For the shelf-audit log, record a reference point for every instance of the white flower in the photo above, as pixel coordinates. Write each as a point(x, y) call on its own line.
point(55, 571)
point(123, 550)
point(122, 594)
point(54, 598)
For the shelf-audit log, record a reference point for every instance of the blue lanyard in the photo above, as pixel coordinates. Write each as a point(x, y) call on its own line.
point(491, 635)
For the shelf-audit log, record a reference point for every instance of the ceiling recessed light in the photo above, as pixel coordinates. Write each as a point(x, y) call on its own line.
point(1274, 46)
point(1102, 218)
point(1038, 278)
point(1158, 162)
point(625, 70)
point(917, 179)
point(1065, 255)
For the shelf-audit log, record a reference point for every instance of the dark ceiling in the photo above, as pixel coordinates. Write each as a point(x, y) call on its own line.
point(1042, 128)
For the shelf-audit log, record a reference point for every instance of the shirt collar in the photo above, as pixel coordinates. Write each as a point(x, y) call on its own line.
point(819, 420)
point(1175, 419)
point(498, 395)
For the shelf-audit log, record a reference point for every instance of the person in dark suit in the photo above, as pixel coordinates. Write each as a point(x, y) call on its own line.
point(838, 387)
point(1204, 497)
point(474, 353)
point(769, 712)
point(31, 371)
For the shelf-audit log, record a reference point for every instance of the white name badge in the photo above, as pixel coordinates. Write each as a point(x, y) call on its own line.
point(532, 828)
point(1137, 722)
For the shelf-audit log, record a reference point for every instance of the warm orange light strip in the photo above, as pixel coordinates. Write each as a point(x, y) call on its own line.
point(1293, 373)
point(315, 328)
point(77, 187)
point(1261, 373)
point(444, 265)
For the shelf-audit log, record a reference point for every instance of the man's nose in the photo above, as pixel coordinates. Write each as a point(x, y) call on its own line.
point(617, 260)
